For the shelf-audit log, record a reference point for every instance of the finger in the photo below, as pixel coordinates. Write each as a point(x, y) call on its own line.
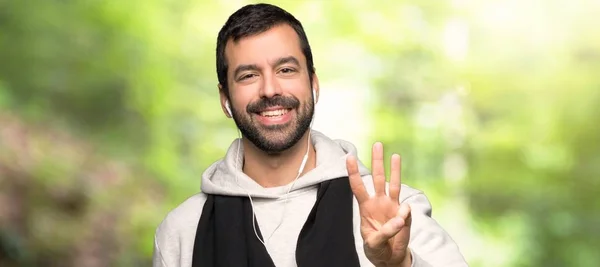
point(356, 183)
point(395, 178)
point(378, 169)
point(381, 237)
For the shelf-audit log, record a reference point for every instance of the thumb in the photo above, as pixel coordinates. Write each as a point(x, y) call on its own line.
point(379, 239)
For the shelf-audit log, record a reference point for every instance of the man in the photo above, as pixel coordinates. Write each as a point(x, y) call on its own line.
point(286, 195)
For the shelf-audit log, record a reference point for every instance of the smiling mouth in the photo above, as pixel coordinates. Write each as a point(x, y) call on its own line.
point(274, 113)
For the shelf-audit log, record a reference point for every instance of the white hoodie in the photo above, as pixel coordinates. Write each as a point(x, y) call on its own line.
point(174, 240)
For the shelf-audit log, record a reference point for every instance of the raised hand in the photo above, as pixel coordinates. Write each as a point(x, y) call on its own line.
point(384, 222)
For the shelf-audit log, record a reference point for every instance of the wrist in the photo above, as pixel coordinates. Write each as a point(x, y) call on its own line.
point(406, 262)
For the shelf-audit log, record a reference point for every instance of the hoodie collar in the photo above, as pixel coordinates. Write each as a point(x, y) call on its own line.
point(225, 177)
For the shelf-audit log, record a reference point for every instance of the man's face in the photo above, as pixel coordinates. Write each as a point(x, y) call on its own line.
point(270, 92)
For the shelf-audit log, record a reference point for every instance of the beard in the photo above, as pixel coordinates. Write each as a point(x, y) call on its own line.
point(274, 139)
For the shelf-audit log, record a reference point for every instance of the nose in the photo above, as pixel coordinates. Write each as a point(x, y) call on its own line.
point(270, 86)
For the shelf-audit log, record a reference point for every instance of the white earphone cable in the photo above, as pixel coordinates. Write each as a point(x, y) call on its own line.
point(302, 165)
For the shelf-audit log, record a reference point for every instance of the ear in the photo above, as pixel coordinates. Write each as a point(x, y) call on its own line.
point(315, 86)
point(223, 98)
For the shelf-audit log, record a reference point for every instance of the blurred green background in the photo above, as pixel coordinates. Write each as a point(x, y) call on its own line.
point(109, 114)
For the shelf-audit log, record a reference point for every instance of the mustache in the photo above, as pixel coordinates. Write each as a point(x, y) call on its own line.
point(264, 103)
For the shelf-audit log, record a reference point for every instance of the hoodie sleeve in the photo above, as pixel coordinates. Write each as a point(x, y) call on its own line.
point(157, 258)
point(175, 236)
point(167, 249)
point(430, 244)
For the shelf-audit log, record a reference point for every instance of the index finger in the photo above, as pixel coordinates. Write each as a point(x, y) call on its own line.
point(356, 183)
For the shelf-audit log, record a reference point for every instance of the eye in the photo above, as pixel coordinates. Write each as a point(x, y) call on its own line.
point(246, 76)
point(287, 70)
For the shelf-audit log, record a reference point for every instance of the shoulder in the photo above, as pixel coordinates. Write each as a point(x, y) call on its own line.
point(174, 237)
point(184, 215)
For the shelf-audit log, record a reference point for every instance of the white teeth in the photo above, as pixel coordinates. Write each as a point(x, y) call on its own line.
point(273, 113)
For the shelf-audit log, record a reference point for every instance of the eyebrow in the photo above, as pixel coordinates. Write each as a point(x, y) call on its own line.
point(285, 60)
point(278, 62)
point(242, 68)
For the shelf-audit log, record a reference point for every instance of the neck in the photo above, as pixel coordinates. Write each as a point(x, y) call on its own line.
point(280, 169)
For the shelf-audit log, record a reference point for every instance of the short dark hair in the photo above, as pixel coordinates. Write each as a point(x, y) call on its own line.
point(255, 19)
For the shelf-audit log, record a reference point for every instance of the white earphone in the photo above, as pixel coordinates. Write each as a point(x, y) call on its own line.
point(306, 155)
point(228, 108)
